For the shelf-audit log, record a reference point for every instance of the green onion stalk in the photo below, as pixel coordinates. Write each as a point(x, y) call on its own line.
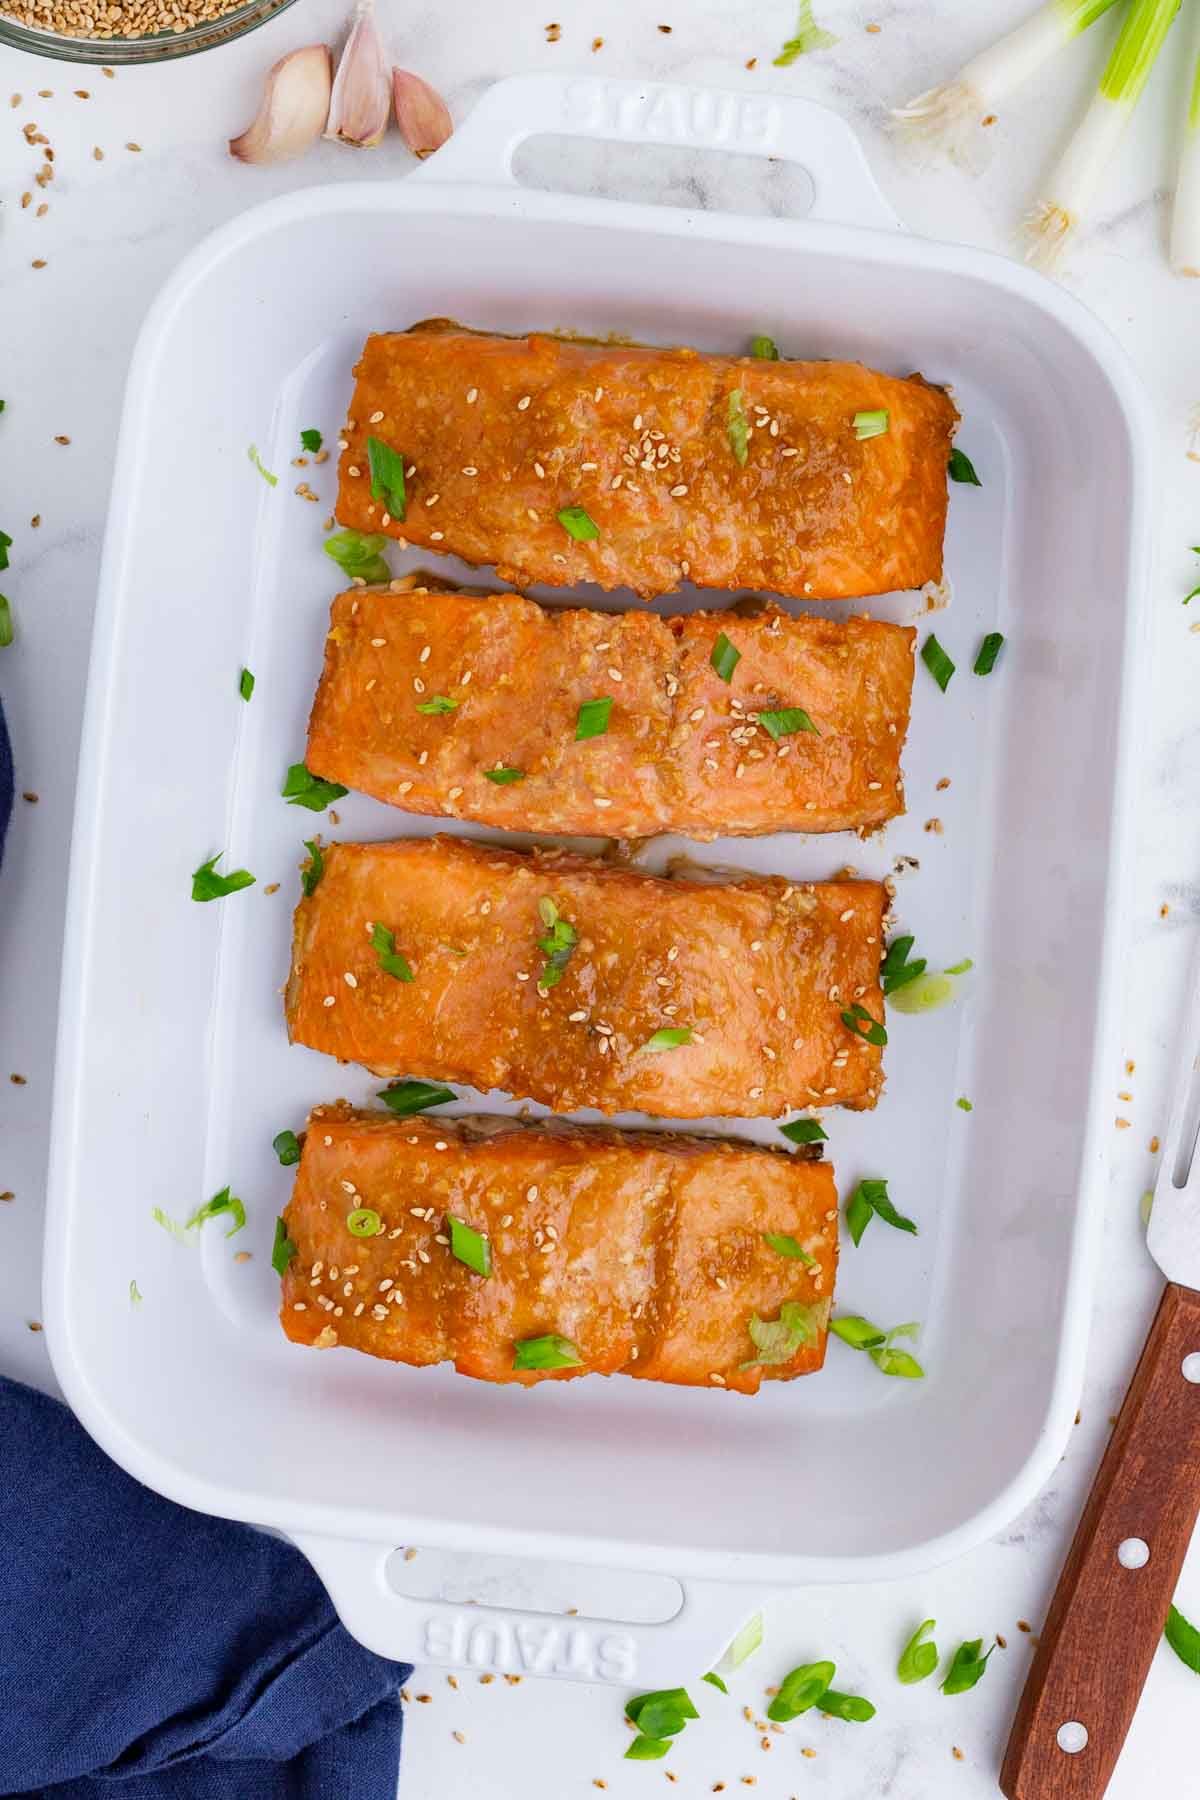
point(1185, 216)
point(946, 117)
point(1078, 173)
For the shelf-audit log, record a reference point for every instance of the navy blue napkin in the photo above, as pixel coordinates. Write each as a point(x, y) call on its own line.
point(151, 1653)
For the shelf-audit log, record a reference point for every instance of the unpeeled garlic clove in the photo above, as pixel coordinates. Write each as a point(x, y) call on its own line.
point(294, 107)
point(421, 113)
point(361, 101)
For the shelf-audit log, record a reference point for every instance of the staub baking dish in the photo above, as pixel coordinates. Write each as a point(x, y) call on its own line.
point(174, 1070)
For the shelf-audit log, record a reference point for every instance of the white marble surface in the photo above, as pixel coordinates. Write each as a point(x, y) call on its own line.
point(114, 229)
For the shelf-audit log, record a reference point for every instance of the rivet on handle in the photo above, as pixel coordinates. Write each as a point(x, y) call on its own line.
point(1072, 1737)
point(1133, 1553)
point(1189, 1368)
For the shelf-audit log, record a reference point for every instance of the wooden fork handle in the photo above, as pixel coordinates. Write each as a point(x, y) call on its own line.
point(1112, 1598)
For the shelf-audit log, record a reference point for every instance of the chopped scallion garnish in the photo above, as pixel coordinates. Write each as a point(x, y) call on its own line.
point(387, 476)
point(961, 466)
point(578, 524)
point(302, 788)
point(807, 37)
point(785, 1245)
point(800, 1690)
point(860, 1334)
point(963, 1104)
point(407, 1097)
point(805, 1131)
point(786, 722)
point(558, 944)
point(737, 427)
point(383, 942)
point(918, 1659)
point(870, 1199)
point(764, 348)
point(896, 970)
point(364, 1222)
point(283, 1249)
point(744, 1642)
point(870, 424)
point(549, 1352)
point(5, 542)
point(777, 1340)
point(989, 650)
point(937, 662)
point(851, 1707)
point(208, 885)
point(592, 719)
point(169, 1225)
point(310, 439)
point(646, 1749)
point(504, 777)
point(359, 555)
point(714, 1680)
point(256, 459)
point(6, 623)
point(135, 1294)
point(311, 876)
point(966, 1668)
point(245, 684)
point(670, 1037)
point(1183, 1638)
point(437, 703)
point(858, 1020)
point(928, 993)
point(224, 1202)
point(725, 657)
point(470, 1246)
point(286, 1146)
point(960, 968)
point(662, 1713)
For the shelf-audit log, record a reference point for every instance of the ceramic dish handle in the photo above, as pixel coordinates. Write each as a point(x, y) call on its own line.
point(526, 1643)
point(771, 126)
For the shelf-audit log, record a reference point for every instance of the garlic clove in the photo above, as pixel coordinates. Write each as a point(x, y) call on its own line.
point(421, 113)
point(293, 109)
point(361, 99)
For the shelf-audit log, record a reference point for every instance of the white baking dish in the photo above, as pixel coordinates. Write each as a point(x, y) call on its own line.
point(174, 1072)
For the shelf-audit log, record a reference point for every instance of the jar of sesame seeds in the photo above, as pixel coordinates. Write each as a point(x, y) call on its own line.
point(114, 33)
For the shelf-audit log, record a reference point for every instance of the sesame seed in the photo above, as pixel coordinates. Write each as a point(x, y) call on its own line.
point(329, 1000)
point(350, 980)
point(472, 396)
point(539, 471)
point(375, 418)
point(600, 800)
point(523, 402)
point(679, 491)
point(470, 469)
point(716, 1379)
point(435, 537)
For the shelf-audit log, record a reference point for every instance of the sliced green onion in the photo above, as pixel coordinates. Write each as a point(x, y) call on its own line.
point(962, 468)
point(946, 117)
point(359, 555)
point(407, 1097)
point(557, 946)
point(135, 1299)
point(963, 1104)
point(1080, 170)
point(245, 684)
point(1146, 1206)
point(310, 439)
point(870, 424)
point(670, 1037)
point(578, 524)
point(777, 1340)
point(383, 942)
point(592, 718)
point(966, 1668)
point(387, 476)
point(786, 722)
point(896, 971)
point(764, 348)
point(549, 1352)
point(208, 885)
point(470, 1246)
point(800, 1690)
point(256, 459)
point(870, 1200)
point(302, 788)
point(744, 1642)
point(851, 1707)
point(663, 1713)
point(858, 1020)
point(807, 37)
point(364, 1222)
point(286, 1146)
point(929, 993)
point(805, 1131)
point(737, 427)
point(169, 1225)
point(310, 878)
point(918, 1659)
point(725, 657)
point(989, 650)
point(6, 623)
point(283, 1249)
point(504, 777)
point(224, 1202)
point(859, 1333)
point(5, 545)
point(937, 662)
point(646, 1749)
point(1183, 1638)
point(960, 968)
point(714, 1680)
point(784, 1244)
point(436, 704)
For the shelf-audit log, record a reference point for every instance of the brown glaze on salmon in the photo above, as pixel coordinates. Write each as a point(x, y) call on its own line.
point(683, 751)
point(645, 1250)
point(757, 971)
point(502, 434)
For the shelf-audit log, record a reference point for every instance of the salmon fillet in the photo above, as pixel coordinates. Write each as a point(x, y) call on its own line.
point(755, 972)
point(644, 1250)
point(500, 435)
point(682, 749)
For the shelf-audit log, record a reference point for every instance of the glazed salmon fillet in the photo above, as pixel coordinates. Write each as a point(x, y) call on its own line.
point(642, 449)
point(467, 706)
point(583, 983)
point(643, 1253)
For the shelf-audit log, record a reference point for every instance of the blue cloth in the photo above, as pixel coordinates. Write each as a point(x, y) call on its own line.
point(151, 1653)
point(6, 782)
